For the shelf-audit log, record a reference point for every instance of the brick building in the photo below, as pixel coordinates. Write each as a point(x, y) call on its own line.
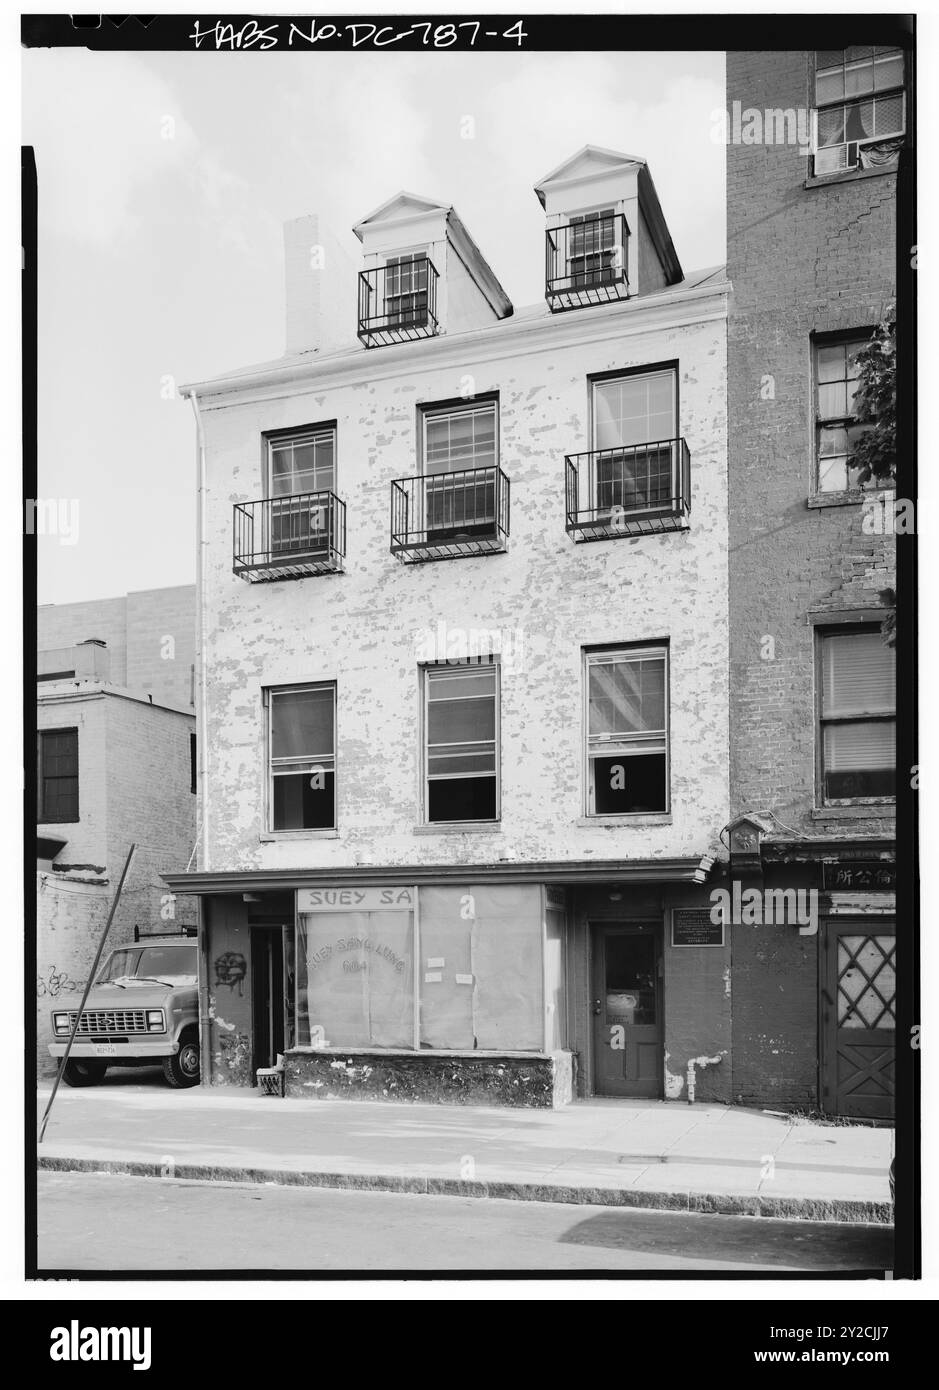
point(812, 259)
point(463, 773)
point(116, 766)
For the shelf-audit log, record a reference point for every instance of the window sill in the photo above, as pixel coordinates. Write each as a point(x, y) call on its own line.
point(470, 827)
point(850, 175)
point(624, 822)
point(269, 835)
point(866, 810)
point(836, 499)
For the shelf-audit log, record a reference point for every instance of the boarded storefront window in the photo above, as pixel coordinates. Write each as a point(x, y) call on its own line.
point(355, 979)
point(482, 974)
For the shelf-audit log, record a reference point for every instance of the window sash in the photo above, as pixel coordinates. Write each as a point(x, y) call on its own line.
point(312, 760)
point(58, 776)
point(301, 476)
point(476, 448)
point(600, 745)
point(448, 759)
point(856, 701)
point(633, 409)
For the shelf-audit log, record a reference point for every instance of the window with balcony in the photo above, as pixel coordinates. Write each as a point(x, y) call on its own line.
point(585, 259)
point(398, 300)
point(302, 757)
point(636, 475)
point(857, 716)
point(860, 108)
point(299, 527)
point(837, 429)
point(58, 776)
point(627, 731)
point(459, 505)
point(461, 742)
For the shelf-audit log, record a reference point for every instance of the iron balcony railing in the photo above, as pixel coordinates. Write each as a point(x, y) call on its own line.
point(441, 516)
point(586, 262)
point(628, 491)
point(398, 303)
point(289, 537)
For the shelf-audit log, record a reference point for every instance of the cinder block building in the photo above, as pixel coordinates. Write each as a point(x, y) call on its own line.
point(116, 765)
point(812, 258)
point(464, 665)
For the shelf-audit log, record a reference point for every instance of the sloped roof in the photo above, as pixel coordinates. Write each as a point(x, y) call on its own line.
point(589, 157)
point(402, 204)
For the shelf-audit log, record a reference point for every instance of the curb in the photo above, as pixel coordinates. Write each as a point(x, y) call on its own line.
point(703, 1203)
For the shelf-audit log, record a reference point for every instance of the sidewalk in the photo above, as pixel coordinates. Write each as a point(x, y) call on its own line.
point(703, 1158)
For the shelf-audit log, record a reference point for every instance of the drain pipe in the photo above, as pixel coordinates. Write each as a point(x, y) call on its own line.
point(200, 651)
point(700, 1062)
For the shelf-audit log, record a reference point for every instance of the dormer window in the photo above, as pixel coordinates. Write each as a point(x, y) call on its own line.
point(592, 248)
point(586, 259)
point(406, 290)
point(398, 299)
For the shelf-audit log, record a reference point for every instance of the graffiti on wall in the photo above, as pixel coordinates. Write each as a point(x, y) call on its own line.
point(231, 969)
point(54, 983)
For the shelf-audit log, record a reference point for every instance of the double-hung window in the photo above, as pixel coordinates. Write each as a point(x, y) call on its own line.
point(635, 456)
point(406, 290)
point(627, 731)
point(460, 453)
point(860, 107)
point(837, 430)
point(301, 479)
point(857, 715)
point(592, 257)
point(58, 776)
point(461, 733)
point(302, 757)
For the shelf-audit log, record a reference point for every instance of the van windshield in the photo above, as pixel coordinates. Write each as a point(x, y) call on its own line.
point(171, 965)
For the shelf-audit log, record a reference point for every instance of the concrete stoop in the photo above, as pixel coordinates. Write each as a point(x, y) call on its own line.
point(702, 1203)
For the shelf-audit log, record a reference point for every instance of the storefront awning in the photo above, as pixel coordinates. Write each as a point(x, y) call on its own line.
point(694, 869)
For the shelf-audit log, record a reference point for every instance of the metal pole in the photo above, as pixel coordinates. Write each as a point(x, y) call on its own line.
point(94, 971)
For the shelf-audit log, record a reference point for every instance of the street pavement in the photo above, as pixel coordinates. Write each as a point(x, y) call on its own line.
point(634, 1153)
point(100, 1223)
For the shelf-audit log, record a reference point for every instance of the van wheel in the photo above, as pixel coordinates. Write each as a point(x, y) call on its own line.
point(79, 1071)
point(183, 1068)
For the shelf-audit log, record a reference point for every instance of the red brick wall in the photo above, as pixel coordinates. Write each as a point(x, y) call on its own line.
point(801, 260)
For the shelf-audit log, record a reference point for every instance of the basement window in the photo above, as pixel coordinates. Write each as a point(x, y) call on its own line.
point(461, 755)
point(302, 757)
point(627, 731)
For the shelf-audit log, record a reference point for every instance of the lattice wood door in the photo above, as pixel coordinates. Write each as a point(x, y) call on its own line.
point(858, 1018)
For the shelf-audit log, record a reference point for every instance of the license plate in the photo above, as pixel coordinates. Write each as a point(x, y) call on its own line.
point(105, 1050)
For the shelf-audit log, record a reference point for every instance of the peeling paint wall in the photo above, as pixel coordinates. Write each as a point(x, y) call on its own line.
point(697, 1018)
point(230, 1042)
point(550, 595)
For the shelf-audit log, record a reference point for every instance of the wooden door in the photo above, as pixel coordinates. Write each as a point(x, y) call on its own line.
point(626, 1002)
point(858, 1018)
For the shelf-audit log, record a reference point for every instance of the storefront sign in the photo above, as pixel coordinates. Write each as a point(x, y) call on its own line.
point(365, 899)
point(693, 927)
point(864, 875)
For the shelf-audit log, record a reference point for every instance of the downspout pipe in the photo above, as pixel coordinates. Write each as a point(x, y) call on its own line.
point(202, 715)
point(202, 741)
point(694, 1062)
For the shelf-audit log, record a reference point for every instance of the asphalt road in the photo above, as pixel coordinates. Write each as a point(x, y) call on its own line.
point(99, 1223)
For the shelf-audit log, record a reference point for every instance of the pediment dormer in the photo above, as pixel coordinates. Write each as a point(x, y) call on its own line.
point(423, 274)
point(606, 235)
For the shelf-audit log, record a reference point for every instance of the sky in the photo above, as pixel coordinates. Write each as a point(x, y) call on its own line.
point(164, 183)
